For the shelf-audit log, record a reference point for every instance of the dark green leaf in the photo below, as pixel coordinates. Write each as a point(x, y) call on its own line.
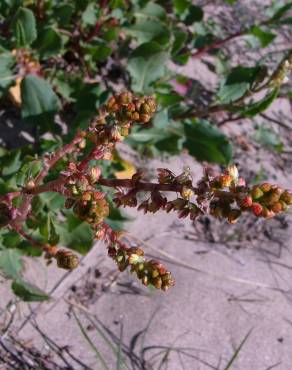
point(237, 83)
point(260, 106)
point(24, 27)
point(75, 234)
point(264, 37)
point(37, 97)
point(145, 70)
point(196, 14)
point(281, 11)
point(206, 143)
point(28, 292)
point(6, 74)
point(181, 5)
point(49, 42)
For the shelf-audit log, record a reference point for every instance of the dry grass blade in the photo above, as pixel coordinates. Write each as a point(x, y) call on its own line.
point(91, 344)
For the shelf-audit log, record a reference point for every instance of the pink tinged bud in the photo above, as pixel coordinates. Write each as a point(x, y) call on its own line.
point(94, 174)
point(246, 202)
point(241, 182)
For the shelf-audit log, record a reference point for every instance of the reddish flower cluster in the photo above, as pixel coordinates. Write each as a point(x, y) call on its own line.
point(224, 196)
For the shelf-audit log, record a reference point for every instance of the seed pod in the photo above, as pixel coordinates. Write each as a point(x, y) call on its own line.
point(66, 259)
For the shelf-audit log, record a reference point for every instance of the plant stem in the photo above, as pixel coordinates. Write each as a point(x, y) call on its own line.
point(140, 186)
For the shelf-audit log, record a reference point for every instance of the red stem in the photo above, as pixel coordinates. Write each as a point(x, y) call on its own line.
point(217, 44)
point(140, 186)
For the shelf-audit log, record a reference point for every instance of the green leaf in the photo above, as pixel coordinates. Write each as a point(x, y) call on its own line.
point(89, 16)
point(281, 11)
point(10, 263)
point(145, 30)
point(181, 5)
point(75, 234)
point(180, 38)
point(196, 14)
point(145, 70)
point(206, 143)
point(28, 170)
point(49, 42)
point(28, 292)
point(260, 106)
point(38, 97)
point(6, 75)
point(24, 27)
point(12, 163)
point(264, 37)
point(237, 83)
point(152, 10)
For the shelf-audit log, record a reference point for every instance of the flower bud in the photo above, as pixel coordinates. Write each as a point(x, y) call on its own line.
point(266, 187)
point(256, 193)
point(286, 197)
point(186, 193)
point(225, 181)
point(145, 118)
point(257, 209)
point(233, 172)
point(94, 174)
point(66, 259)
point(246, 202)
point(277, 207)
point(266, 213)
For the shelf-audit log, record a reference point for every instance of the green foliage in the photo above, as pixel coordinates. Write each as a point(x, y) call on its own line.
point(24, 27)
point(38, 98)
point(207, 143)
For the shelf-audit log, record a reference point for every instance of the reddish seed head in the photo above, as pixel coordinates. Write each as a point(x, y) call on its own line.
point(246, 202)
point(257, 209)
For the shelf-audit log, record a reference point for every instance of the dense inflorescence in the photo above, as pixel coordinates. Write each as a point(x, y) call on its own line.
point(224, 195)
